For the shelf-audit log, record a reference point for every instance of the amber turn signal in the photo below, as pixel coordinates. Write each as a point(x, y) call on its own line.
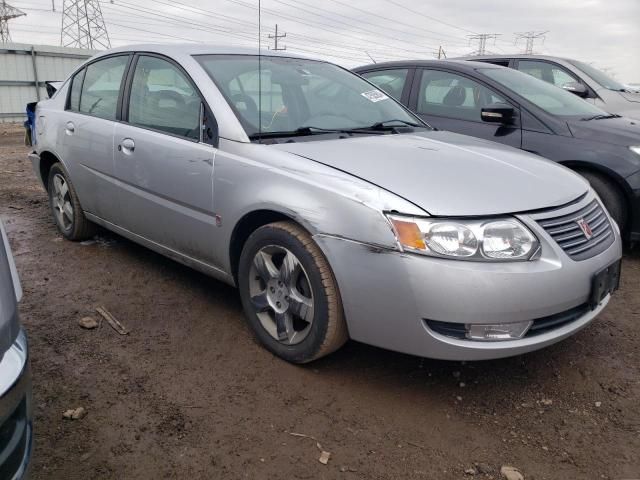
point(409, 235)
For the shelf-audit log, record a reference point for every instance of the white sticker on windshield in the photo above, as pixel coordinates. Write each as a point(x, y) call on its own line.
point(374, 95)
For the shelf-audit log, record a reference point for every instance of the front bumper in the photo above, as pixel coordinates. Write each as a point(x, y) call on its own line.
point(388, 296)
point(16, 419)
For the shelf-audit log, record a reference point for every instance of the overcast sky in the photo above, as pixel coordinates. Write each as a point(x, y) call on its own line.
point(603, 32)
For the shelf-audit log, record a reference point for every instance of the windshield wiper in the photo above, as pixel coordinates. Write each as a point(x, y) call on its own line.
point(601, 117)
point(378, 128)
point(298, 132)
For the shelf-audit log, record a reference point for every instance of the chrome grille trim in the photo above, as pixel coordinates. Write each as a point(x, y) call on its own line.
point(565, 230)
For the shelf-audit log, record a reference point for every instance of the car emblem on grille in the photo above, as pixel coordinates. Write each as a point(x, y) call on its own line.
point(585, 227)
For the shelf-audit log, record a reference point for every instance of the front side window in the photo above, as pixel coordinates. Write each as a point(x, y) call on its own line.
point(546, 71)
point(390, 81)
point(162, 98)
point(101, 87)
point(542, 94)
point(450, 95)
point(281, 95)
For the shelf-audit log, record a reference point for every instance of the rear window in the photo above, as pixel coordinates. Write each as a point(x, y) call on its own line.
point(101, 87)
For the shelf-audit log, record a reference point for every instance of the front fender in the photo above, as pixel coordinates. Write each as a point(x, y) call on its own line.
point(325, 201)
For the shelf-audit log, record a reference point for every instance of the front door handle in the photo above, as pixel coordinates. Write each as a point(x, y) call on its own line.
point(70, 128)
point(127, 145)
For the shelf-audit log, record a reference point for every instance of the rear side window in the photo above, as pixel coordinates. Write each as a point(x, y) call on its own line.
point(390, 81)
point(101, 87)
point(74, 97)
point(163, 98)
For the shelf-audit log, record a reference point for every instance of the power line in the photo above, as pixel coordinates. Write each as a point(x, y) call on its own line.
point(83, 25)
point(415, 12)
point(530, 38)
point(7, 12)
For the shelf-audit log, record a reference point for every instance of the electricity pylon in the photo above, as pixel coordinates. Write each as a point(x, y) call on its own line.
point(83, 25)
point(7, 12)
point(530, 37)
point(482, 41)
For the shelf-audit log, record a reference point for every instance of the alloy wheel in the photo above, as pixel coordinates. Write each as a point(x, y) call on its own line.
point(61, 202)
point(281, 294)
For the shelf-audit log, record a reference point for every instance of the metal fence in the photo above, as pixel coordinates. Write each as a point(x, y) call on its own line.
point(25, 68)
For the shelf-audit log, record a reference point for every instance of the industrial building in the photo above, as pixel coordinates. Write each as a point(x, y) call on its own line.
point(24, 69)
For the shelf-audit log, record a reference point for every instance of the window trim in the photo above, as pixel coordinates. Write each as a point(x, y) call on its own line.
point(83, 70)
point(204, 107)
point(415, 95)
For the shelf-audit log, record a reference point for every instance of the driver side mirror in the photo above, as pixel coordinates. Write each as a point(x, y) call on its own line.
point(576, 88)
point(497, 113)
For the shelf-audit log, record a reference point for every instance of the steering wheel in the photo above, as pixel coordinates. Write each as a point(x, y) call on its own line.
point(327, 117)
point(169, 94)
point(252, 108)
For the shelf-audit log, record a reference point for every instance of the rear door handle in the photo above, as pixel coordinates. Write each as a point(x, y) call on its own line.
point(127, 145)
point(70, 127)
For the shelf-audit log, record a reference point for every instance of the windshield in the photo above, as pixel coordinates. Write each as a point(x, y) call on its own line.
point(299, 94)
point(600, 77)
point(548, 97)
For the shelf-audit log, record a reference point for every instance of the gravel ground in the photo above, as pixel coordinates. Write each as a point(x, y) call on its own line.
point(189, 394)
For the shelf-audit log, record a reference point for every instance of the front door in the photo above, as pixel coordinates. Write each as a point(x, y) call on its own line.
point(165, 170)
point(453, 102)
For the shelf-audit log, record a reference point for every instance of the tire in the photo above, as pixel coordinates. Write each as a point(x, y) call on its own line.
point(65, 206)
point(289, 294)
point(610, 195)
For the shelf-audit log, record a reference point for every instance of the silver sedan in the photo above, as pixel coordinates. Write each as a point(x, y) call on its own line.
point(336, 212)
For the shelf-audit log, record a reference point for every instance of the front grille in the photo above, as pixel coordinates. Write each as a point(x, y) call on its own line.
point(538, 327)
point(566, 231)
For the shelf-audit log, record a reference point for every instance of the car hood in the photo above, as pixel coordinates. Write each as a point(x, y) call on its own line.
point(449, 174)
point(631, 96)
point(621, 131)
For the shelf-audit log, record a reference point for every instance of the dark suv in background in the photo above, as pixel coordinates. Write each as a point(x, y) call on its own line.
point(510, 107)
point(580, 78)
point(16, 432)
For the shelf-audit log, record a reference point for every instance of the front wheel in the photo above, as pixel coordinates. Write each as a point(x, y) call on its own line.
point(611, 196)
point(289, 294)
point(65, 206)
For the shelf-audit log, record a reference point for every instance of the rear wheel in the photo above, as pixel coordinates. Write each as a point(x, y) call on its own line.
point(611, 196)
point(66, 209)
point(289, 294)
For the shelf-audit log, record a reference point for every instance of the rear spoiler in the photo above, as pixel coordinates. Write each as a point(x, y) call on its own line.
point(52, 87)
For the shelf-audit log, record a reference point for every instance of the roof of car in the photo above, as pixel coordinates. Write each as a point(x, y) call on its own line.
point(459, 64)
point(178, 49)
point(514, 55)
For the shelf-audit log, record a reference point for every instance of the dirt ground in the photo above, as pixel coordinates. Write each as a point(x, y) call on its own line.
point(188, 393)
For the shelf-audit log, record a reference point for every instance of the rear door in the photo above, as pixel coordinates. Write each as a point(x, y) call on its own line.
point(87, 129)
point(452, 101)
point(163, 162)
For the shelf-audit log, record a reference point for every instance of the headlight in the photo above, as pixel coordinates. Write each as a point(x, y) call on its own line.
point(504, 239)
point(635, 150)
